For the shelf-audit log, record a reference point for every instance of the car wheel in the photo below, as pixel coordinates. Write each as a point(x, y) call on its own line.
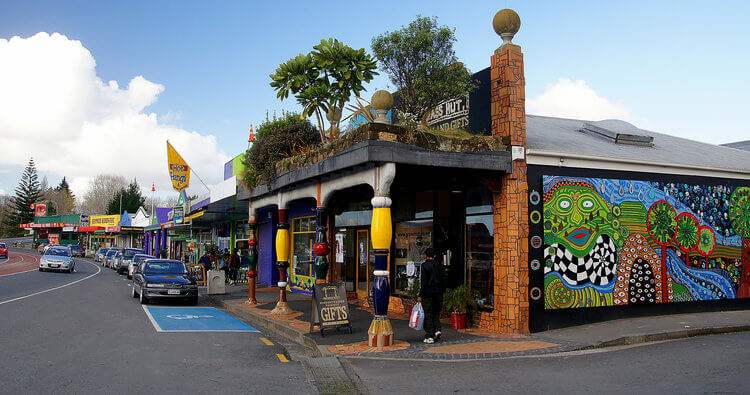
point(41, 270)
point(143, 299)
point(132, 291)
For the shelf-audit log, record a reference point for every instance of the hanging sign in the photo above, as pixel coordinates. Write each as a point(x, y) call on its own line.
point(179, 171)
point(40, 209)
point(330, 307)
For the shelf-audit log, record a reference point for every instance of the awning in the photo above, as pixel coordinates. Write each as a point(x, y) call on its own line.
point(89, 229)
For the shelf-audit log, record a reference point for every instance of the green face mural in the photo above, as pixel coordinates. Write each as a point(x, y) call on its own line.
point(576, 215)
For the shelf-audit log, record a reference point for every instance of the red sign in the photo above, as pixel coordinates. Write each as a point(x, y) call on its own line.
point(40, 209)
point(53, 238)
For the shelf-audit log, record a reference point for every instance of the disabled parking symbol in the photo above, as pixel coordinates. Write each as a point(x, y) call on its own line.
point(194, 319)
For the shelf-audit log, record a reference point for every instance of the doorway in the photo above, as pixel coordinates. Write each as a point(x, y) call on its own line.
point(355, 260)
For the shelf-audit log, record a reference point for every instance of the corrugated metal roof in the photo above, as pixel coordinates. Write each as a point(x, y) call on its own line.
point(743, 145)
point(563, 135)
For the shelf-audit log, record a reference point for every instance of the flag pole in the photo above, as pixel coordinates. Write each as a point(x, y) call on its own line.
point(191, 168)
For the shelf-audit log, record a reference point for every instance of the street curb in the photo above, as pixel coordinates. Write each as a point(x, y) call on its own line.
point(662, 336)
point(270, 325)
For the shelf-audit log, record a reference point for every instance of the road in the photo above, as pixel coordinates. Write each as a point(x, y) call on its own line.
point(707, 364)
point(83, 333)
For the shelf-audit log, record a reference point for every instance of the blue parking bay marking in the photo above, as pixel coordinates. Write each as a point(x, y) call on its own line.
point(194, 319)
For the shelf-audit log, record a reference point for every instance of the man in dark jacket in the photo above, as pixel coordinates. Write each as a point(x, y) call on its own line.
point(431, 289)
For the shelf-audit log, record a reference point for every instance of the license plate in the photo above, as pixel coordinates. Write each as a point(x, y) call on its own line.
point(173, 292)
point(52, 265)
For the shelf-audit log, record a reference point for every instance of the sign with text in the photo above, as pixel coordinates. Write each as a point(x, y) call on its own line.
point(40, 209)
point(53, 238)
point(331, 307)
point(179, 171)
point(178, 215)
point(198, 271)
point(104, 220)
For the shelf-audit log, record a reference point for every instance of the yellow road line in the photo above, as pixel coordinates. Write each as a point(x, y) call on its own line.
point(268, 342)
point(282, 357)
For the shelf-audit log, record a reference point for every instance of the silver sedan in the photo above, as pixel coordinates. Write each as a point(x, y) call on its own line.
point(59, 259)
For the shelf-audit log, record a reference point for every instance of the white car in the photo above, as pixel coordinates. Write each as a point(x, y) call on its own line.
point(57, 258)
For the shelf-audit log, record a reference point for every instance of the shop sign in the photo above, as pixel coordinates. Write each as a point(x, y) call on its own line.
point(69, 229)
point(53, 238)
point(84, 220)
point(198, 272)
point(40, 209)
point(112, 229)
point(178, 215)
point(331, 308)
point(179, 171)
point(105, 220)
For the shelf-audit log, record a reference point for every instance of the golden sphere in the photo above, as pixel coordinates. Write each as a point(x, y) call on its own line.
point(506, 21)
point(382, 100)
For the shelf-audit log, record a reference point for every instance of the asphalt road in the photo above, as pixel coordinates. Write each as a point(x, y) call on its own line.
point(707, 364)
point(83, 333)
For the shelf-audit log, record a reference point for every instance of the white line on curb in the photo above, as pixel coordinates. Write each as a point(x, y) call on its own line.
point(55, 288)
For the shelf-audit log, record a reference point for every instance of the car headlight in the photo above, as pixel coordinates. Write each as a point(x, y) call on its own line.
point(154, 285)
point(191, 286)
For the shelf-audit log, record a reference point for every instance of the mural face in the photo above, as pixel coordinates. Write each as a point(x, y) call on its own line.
point(622, 242)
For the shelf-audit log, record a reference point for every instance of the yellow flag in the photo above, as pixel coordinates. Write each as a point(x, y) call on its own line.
point(179, 171)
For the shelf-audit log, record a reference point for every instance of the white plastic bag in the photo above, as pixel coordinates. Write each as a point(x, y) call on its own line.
point(416, 320)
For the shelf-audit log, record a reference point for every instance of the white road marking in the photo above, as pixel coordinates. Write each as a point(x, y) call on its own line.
point(153, 321)
point(55, 288)
point(23, 259)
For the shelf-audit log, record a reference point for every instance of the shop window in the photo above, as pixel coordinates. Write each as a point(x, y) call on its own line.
point(242, 230)
point(412, 238)
point(303, 238)
point(479, 258)
point(423, 205)
point(478, 200)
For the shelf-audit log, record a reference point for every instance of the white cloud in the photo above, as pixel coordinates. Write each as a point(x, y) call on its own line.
point(575, 99)
point(2, 192)
point(54, 107)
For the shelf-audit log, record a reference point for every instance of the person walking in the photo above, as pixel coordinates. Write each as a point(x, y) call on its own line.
point(234, 266)
point(431, 288)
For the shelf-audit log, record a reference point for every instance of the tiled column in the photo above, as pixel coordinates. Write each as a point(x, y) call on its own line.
point(510, 202)
point(252, 256)
point(282, 261)
point(380, 333)
point(321, 248)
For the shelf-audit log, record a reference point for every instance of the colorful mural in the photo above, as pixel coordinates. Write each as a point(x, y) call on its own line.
point(622, 242)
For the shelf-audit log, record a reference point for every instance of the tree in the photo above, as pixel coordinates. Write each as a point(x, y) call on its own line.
point(324, 80)
point(739, 216)
point(61, 198)
point(661, 223)
point(100, 192)
point(126, 199)
point(27, 193)
point(421, 63)
point(687, 234)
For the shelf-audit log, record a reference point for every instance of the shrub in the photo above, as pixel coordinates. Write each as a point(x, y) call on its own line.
point(289, 139)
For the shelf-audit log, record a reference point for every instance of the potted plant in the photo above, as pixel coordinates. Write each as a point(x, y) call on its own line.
point(457, 302)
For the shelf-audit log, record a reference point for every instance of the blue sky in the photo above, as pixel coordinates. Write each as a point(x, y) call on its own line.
point(677, 67)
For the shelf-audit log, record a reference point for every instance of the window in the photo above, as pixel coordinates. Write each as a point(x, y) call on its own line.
point(480, 245)
point(303, 238)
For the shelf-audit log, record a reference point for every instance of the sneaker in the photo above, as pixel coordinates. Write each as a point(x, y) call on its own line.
point(429, 340)
point(437, 335)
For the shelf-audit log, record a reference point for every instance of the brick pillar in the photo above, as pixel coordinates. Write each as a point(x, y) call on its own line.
point(510, 193)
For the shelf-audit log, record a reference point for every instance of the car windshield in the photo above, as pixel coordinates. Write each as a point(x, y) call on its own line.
point(2, 245)
point(102, 250)
point(164, 268)
point(110, 253)
point(75, 247)
point(129, 253)
point(58, 252)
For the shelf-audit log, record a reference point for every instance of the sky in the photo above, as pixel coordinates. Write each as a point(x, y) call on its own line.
point(96, 87)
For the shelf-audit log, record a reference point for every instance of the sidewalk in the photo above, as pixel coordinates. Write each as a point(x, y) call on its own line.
point(469, 344)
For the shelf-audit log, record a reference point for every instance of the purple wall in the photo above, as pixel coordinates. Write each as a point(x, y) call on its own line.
point(267, 272)
point(162, 214)
point(228, 169)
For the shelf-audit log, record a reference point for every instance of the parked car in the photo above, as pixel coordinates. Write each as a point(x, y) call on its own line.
point(115, 261)
point(77, 250)
point(3, 251)
point(137, 259)
point(108, 258)
point(57, 258)
point(163, 278)
point(124, 261)
point(99, 256)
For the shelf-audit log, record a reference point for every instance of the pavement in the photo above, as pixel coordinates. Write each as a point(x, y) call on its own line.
point(469, 344)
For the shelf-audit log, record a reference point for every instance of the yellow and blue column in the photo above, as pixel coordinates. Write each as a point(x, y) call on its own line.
point(380, 333)
point(282, 261)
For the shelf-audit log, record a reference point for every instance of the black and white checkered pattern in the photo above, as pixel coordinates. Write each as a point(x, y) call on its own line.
point(597, 267)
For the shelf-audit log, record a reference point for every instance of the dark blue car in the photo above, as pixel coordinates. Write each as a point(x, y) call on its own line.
point(163, 279)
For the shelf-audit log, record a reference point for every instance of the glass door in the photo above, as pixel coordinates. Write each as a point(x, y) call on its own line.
point(363, 260)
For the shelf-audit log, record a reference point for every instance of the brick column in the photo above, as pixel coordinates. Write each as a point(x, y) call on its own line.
point(511, 272)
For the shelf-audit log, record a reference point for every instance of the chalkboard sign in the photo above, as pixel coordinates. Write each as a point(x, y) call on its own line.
point(330, 307)
point(198, 271)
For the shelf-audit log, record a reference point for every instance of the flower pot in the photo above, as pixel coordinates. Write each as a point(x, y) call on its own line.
point(458, 320)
